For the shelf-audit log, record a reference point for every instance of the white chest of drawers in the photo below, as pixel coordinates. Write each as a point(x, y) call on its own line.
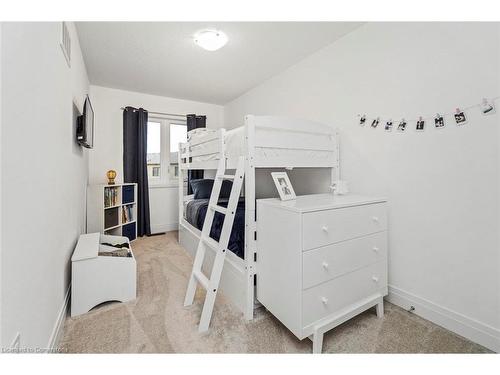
point(322, 259)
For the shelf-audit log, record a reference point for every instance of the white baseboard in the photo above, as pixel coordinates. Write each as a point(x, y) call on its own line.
point(474, 330)
point(160, 228)
point(58, 326)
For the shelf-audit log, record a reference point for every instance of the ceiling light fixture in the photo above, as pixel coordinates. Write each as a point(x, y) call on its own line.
point(211, 40)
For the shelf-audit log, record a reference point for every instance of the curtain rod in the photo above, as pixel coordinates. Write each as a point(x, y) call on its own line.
point(160, 113)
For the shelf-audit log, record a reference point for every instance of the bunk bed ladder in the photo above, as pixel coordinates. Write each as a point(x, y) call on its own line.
point(211, 285)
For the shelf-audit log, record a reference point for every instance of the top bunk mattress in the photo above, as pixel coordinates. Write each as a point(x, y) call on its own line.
point(277, 143)
point(234, 140)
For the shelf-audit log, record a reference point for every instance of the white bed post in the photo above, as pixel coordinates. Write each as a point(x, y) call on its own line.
point(250, 225)
point(336, 170)
point(181, 185)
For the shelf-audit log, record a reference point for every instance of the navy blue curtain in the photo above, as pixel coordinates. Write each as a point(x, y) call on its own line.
point(194, 122)
point(135, 169)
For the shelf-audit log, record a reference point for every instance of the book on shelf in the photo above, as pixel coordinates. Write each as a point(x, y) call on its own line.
point(127, 214)
point(110, 196)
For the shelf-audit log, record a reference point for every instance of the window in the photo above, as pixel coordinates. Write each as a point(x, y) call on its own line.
point(178, 134)
point(154, 151)
point(164, 136)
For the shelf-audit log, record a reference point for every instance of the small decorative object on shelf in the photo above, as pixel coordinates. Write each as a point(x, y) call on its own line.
point(340, 187)
point(283, 185)
point(111, 174)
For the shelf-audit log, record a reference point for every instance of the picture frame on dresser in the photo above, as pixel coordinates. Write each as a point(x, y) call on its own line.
point(284, 186)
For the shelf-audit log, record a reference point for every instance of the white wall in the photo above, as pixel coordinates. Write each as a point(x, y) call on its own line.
point(108, 144)
point(442, 184)
point(1, 184)
point(44, 177)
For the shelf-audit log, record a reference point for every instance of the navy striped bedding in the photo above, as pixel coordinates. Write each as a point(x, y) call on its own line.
point(196, 211)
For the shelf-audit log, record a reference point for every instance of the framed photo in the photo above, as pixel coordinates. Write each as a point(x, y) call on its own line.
point(420, 127)
point(284, 186)
point(439, 121)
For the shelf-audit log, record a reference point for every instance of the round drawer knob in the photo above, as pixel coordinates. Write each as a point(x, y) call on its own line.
point(376, 249)
point(324, 300)
point(375, 219)
point(325, 265)
point(325, 229)
point(375, 279)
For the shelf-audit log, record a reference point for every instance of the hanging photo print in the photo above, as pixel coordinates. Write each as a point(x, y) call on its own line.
point(362, 120)
point(375, 122)
point(487, 107)
point(388, 126)
point(402, 126)
point(460, 117)
point(439, 121)
point(420, 125)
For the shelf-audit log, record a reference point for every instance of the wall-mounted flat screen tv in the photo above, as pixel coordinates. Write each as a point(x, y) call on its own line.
point(85, 126)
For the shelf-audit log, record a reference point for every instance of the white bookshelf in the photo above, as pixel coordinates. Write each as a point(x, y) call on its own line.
point(112, 209)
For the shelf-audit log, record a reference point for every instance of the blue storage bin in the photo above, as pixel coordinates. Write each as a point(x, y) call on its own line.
point(128, 230)
point(128, 193)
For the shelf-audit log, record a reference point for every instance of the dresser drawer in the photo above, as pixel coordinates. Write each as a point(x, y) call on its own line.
point(328, 262)
point(331, 297)
point(322, 228)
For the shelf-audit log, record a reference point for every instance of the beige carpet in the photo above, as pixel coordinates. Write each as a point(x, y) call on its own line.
point(158, 323)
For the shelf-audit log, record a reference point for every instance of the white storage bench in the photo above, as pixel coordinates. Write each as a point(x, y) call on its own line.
point(97, 279)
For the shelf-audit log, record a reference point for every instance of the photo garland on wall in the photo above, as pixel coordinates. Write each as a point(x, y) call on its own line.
point(460, 117)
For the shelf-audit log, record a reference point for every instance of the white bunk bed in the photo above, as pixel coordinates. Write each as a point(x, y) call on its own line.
point(265, 142)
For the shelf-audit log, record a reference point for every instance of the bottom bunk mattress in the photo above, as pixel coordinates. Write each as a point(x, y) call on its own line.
point(196, 211)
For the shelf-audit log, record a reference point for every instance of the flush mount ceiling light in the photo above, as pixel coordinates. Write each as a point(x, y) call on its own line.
point(211, 40)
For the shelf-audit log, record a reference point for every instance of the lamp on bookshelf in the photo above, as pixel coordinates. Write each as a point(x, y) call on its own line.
point(111, 174)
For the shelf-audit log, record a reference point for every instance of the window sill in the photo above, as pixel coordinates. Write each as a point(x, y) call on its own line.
point(169, 185)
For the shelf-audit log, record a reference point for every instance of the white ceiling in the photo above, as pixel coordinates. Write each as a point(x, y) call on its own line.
point(161, 58)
